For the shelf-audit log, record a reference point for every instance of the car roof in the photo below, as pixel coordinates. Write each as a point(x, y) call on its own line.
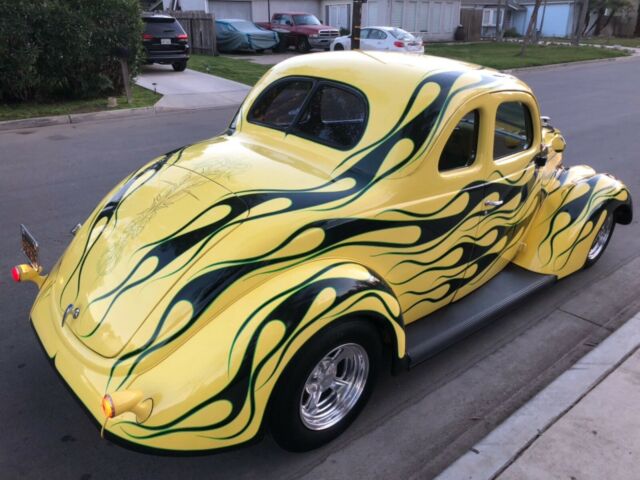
point(403, 71)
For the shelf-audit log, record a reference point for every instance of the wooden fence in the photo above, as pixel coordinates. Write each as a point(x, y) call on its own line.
point(201, 28)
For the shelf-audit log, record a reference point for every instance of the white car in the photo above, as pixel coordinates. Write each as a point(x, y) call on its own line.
point(389, 39)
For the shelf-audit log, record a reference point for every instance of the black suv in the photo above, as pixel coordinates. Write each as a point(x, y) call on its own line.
point(165, 41)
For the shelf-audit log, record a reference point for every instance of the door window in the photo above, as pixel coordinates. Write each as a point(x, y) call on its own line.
point(462, 147)
point(377, 35)
point(513, 132)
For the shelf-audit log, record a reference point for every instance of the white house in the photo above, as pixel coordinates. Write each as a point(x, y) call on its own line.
point(432, 19)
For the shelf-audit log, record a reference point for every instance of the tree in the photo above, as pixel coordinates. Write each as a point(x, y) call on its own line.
point(636, 31)
point(533, 21)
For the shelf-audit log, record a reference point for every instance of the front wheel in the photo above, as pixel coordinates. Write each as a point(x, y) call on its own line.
point(325, 386)
point(303, 45)
point(601, 241)
point(338, 47)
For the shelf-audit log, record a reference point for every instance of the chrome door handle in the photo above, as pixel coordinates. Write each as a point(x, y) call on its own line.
point(493, 203)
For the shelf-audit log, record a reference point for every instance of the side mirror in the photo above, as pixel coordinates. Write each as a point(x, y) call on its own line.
point(558, 143)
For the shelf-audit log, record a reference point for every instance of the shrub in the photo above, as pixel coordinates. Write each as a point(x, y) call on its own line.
point(66, 48)
point(511, 33)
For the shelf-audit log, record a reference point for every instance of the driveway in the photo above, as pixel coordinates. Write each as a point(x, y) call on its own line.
point(190, 89)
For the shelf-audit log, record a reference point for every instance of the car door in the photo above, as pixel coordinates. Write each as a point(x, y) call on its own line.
point(449, 213)
point(512, 185)
point(365, 43)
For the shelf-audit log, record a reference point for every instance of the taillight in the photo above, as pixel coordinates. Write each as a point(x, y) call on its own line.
point(182, 36)
point(15, 274)
point(147, 36)
point(398, 44)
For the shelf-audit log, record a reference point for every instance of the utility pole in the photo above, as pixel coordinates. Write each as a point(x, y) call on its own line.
point(355, 24)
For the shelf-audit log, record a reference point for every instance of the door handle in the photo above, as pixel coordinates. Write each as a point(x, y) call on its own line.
point(493, 203)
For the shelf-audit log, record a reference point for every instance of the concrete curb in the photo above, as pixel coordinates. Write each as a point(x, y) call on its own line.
point(97, 116)
point(567, 64)
point(494, 453)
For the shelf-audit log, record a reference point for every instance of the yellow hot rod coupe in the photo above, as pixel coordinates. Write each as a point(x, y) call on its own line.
point(254, 282)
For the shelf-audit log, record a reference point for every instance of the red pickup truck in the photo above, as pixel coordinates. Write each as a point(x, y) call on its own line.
point(301, 30)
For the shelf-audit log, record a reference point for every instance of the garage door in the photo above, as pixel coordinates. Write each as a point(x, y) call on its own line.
point(230, 9)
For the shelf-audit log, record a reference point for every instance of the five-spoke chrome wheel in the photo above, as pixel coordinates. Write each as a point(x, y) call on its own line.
point(334, 386)
point(601, 240)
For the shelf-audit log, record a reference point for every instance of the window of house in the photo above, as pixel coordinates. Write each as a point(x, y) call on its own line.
point(462, 147)
point(319, 110)
point(514, 131)
point(489, 17)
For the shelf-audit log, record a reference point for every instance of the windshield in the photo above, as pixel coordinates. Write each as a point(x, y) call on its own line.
point(401, 34)
point(306, 20)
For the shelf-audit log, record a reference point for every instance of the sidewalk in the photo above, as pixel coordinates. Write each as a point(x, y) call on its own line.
point(584, 425)
point(190, 89)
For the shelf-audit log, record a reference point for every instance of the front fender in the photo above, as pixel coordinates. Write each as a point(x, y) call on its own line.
point(571, 214)
point(213, 390)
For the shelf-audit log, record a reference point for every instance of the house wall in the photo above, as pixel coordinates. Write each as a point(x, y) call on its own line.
point(260, 8)
point(557, 20)
point(432, 19)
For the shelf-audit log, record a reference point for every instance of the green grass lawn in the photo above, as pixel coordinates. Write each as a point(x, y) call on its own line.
point(141, 98)
point(505, 55)
point(242, 71)
point(625, 42)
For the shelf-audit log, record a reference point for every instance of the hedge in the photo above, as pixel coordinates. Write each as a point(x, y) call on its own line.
point(52, 49)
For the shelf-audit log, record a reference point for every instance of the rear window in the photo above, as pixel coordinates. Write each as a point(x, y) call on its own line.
point(402, 34)
point(324, 112)
point(160, 26)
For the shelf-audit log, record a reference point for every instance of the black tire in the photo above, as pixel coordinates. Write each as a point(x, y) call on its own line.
point(179, 66)
point(600, 244)
point(339, 47)
point(303, 45)
point(282, 46)
point(285, 411)
point(260, 50)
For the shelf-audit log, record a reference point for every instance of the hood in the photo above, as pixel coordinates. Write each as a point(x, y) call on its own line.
point(315, 28)
point(118, 268)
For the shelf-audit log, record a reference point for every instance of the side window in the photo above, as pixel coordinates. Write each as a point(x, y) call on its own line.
point(378, 35)
point(462, 146)
point(334, 116)
point(514, 132)
point(279, 105)
point(286, 20)
point(365, 33)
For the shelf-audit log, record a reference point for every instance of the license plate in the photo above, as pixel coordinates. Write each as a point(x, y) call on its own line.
point(165, 41)
point(29, 246)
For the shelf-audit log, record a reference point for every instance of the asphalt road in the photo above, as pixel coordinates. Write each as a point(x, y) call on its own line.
point(416, 423)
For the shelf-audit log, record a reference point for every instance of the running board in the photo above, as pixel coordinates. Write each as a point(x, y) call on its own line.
point(430, 335)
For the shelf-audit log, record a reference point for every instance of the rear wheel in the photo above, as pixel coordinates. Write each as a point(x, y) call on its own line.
point(179, 66)
point(303, 45)
point(325, 386)
point(601, 241)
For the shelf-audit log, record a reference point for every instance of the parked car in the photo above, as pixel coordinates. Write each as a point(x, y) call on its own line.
point(256, 280)
point(242, 35)
point(301, 30)
point(389, 39)
point(165, 41)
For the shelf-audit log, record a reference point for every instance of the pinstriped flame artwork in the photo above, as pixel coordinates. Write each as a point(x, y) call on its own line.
point(202, 274)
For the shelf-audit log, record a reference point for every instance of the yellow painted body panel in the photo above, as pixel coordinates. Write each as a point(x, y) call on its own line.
point(203, 273)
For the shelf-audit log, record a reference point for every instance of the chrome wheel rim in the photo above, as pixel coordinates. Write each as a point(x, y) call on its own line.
point(334, 386)
point(601, 238)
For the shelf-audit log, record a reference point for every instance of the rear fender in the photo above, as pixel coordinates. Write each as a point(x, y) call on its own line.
point(223, 376)
point(572, 211)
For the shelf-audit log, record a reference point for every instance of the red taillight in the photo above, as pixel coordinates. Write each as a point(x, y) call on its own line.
point(15, 274)
point(398, 44)
point(182, 36)
point(147, 36)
